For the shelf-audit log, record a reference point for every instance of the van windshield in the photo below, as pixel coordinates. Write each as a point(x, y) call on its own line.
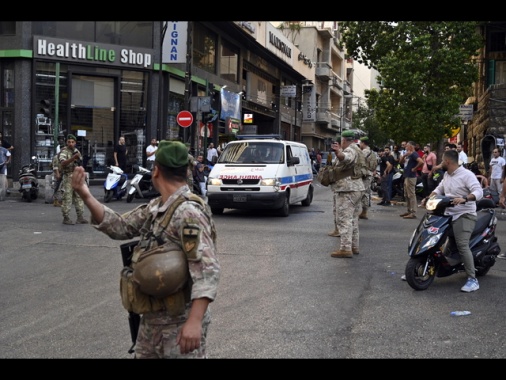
point(248, 152)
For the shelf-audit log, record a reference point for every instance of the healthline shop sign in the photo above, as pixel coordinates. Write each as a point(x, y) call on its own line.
point(96, 53)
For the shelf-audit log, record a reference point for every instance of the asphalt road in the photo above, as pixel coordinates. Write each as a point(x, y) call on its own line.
point(281, 295)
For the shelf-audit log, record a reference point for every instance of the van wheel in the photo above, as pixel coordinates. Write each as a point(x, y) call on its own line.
point(285, 209)
point(306, 202)
point(216, 210)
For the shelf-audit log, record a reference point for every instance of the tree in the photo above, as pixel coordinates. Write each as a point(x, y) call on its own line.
point(426, 70)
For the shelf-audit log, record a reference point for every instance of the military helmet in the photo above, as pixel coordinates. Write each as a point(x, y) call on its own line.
point(161, 273)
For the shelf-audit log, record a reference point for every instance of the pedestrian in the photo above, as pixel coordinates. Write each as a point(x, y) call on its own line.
point(496, 166)
point(462, 185)
point(199, 175)
point(371, 160)
point(463, 160)
point(120, 154)
point(70, 158)
point(57, 175)
point(348, 190)
point(429, 161)
point(5, 144)
point(168, 329)
point(387, 171)
point(411, 161)
point(5, 159)
point(151, 154)
point(211, 154)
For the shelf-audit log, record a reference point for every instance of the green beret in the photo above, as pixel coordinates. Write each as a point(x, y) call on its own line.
point(348, 134)
point(71, 137)
point(172, 154)
point(365, 138)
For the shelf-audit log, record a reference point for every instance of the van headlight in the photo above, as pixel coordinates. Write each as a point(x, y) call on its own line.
point(215, 182)
point(268, 182)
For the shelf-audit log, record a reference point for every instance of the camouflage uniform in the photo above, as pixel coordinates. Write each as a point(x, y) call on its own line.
point(347, 197)
point(189, 177)
point(158, 330)
point(366, 196)
point(69, 195)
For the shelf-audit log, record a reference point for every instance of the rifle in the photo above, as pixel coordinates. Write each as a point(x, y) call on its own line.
point(134, 319)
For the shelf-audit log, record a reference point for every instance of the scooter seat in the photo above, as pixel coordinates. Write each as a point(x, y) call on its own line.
point(483, 220)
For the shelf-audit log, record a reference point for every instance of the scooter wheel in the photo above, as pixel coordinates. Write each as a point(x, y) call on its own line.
point(130, 197)
point(420, 272)
point(108, 196)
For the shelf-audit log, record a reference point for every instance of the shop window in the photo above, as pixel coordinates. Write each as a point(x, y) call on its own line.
point(229, 61)
point(204, 48)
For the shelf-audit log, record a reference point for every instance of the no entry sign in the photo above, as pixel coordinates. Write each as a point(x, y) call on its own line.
point(184, 119)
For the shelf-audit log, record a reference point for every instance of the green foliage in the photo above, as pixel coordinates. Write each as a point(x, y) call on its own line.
point(426, 71)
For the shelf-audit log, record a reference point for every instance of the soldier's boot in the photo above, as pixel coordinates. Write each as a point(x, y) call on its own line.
point(81, 220)
point(355, 250)
point(342, 254)
point(363, 214)
point(334, 233)
point(66, 220)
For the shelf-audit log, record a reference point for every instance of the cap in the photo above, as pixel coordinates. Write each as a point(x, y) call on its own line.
point(172, 154)
point(71, 137)
point(348, 134)
point(365, 138)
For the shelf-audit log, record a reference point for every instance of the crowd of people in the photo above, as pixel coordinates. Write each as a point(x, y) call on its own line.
point(452, 175)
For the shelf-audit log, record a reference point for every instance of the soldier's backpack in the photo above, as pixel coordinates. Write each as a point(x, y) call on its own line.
point(371, 160)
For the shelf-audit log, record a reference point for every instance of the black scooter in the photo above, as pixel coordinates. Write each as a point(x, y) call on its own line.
point(432, 249)
point(28, 182)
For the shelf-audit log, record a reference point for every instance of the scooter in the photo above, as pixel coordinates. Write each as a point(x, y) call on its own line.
point(141, 186)
point(115, 185)
point(28, 182)
point(432, 249)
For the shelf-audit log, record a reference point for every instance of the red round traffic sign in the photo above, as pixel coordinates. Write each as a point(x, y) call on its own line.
point(184, 119)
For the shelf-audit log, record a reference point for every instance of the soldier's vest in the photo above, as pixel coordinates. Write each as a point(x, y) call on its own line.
point(158, 277)
point(360, 169)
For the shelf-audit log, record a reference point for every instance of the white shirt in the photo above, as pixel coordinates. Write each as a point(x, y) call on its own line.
point(496, 165)
point(462, 157)
point(150, 149)
point(210, 153)
point(459, 184)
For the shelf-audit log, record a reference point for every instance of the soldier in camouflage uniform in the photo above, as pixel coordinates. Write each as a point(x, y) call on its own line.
point(348, 194)
point(165, 334)
point(370, 158)
point(70, 158)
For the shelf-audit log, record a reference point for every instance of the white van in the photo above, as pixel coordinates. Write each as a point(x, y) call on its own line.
point(261, 173)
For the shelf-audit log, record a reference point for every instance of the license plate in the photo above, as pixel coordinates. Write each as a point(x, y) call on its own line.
point(27, 186)
point(239, 198)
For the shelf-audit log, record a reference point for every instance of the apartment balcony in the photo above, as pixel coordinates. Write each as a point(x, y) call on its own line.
point(323, 71)
point(323, 117)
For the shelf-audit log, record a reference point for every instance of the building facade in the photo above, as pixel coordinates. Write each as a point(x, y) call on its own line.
point(101, 80)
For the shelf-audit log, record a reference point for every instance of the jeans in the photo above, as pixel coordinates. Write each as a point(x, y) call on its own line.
point(386, 186)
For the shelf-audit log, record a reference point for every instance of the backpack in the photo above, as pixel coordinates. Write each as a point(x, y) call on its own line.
point(360, 169)
point(372, 161)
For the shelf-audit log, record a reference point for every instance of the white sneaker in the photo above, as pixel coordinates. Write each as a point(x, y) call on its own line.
point(403, 277)
point(501, 256)
point(471, 285)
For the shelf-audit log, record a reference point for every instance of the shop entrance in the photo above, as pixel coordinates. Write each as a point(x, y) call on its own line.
point(92, 120)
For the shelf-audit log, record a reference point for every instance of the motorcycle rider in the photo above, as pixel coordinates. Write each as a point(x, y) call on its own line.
point(462, 185)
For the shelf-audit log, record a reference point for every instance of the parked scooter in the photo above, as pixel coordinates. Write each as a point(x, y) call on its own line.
point(28, 182)
point(432, 249)
point(141, 186)
point(115, 185)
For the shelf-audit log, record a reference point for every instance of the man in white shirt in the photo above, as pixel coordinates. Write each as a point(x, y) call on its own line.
point(462, 155)
point(496, 167)
point(150, 153)
point(211, 152)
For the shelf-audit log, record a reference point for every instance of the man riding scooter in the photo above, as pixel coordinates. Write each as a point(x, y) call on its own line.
point(462, 185)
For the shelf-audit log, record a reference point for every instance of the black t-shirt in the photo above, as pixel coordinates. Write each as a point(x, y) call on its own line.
point(383, 163)
point(121, 154)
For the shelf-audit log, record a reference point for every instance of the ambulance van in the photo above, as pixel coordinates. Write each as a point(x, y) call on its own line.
point(256, 172)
